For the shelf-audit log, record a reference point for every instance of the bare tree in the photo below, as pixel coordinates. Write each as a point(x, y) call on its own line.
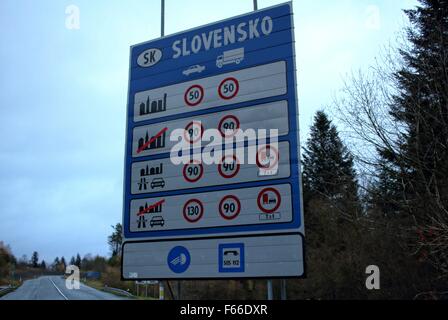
point(396, 115)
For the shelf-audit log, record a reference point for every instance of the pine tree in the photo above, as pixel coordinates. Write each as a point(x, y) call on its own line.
point(63, 263)
point(328, 171)
point(78, 261)
point(72, 261)
point(115, 240)
point(332, 209)
point(35, 260)
point(421, 107)
point(386, 193)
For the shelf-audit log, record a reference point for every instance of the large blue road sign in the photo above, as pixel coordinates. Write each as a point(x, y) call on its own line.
point(185, 185)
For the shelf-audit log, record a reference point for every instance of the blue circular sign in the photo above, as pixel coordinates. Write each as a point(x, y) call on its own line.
point(178, 259)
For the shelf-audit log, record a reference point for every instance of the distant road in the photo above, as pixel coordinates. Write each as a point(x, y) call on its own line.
point(53, 288)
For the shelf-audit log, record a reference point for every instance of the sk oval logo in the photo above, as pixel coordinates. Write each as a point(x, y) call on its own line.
point(149, 57)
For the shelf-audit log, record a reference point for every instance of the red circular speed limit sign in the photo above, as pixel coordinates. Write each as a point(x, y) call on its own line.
point(228, 126)
point(269, 200)
point(267, 157)
point(194, 95)
point(193, 171)
point(228, 88)
point(229, 166)
point(229, 207)
point(193, 210)
point(193, 132)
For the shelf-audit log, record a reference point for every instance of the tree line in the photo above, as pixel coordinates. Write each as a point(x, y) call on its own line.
point(384, 200)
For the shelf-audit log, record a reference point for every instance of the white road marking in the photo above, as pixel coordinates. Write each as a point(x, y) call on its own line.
point(58, 289)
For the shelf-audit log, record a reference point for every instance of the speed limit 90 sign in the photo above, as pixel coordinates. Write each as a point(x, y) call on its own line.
point(193, 171)
point(229, 166)
point(229, 207)
point(228, 126)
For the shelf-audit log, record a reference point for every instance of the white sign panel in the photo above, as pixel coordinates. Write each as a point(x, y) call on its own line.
point(260, 205)
point(240, 86)
point(155, 139)
point(268, 256)
point(162, 175)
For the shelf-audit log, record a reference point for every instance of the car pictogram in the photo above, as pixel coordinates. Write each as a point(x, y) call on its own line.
point(193, 69)
point(157, 183)
point(157, 221)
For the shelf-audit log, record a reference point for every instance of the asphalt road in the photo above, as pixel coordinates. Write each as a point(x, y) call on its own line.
point(53, 288)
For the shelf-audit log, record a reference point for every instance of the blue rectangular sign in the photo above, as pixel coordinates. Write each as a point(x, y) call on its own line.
point(229, 75)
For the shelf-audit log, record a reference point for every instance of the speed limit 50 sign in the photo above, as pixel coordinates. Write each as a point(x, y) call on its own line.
point(222, 99)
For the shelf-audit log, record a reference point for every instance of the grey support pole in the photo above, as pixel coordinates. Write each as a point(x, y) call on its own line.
point(161, 291)
point(270, 291)
point(255, 5)
point(162, 27)
point(283, 289)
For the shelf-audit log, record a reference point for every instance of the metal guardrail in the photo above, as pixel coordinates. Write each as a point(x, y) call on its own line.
point(119, 291)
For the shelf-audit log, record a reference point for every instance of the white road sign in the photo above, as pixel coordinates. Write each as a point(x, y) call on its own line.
point(155, 138)
point(268, 256)
point(212, 183)
point(251, 206)
point(206, 93)
point(162, 175)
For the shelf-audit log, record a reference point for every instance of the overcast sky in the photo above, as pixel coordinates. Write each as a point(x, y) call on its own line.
point(63, 98)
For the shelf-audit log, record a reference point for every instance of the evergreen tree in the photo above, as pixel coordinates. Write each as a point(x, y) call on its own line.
point(43, 265)
point(63, 263)
point(385, 194)
point(78, 261)
point(328, 171)
point(72, 261)
point(332, 209)
point(421, 107)
point(115, 240)
point(35, 260)
point(55, 263)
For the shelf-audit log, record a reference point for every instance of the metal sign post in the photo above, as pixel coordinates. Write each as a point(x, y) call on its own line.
point(161, 291)
point(162, 20)
point(283, 289)
point(270, 290)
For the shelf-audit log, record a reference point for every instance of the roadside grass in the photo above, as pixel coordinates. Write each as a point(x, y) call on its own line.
point(99, 285)
point(96, 284)
point(14, 284)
